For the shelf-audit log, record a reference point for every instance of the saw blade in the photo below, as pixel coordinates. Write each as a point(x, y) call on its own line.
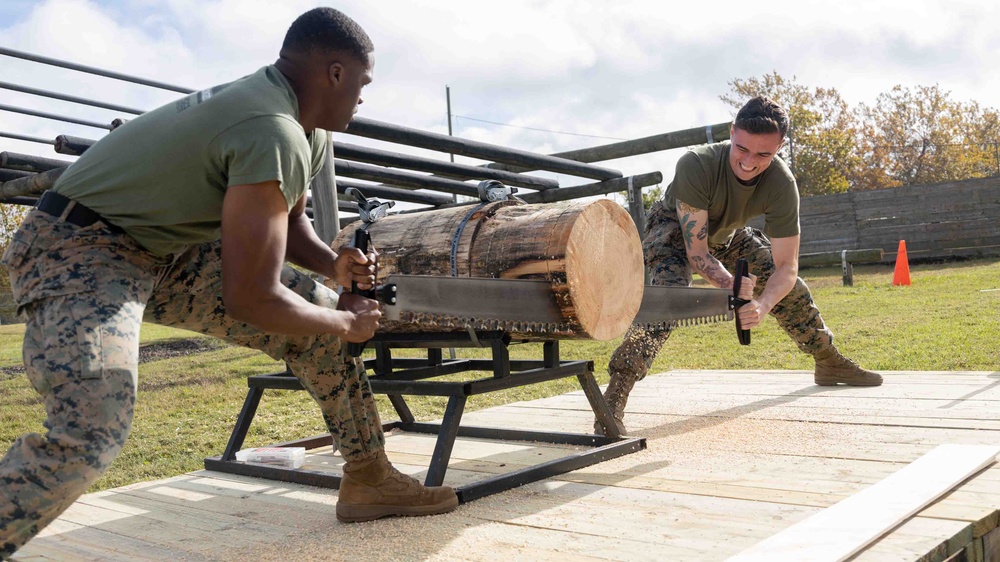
point(516, 305)
point(666, 307)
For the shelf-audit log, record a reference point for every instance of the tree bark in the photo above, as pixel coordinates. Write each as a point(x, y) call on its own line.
point(589, 251)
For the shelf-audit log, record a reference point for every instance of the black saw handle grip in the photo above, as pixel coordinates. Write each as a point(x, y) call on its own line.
point(742, 270)
point(362, 241)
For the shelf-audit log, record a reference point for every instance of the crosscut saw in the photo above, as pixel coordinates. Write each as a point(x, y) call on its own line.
point(524, 305)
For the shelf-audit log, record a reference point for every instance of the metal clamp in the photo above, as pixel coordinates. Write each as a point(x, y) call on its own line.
point(493, 190)
point(369, 210)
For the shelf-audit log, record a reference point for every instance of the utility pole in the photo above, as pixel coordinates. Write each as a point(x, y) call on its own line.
point(447, 96)
point(454, 196)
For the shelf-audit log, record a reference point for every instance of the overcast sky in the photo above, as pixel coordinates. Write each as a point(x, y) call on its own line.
point(601, 70)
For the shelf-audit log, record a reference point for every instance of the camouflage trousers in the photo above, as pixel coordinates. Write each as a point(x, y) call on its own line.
point(85, 292)
point(667, 264)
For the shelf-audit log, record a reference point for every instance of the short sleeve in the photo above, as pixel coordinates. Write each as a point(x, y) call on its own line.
point(266, 148)
point(781, 218)
point(691, 183)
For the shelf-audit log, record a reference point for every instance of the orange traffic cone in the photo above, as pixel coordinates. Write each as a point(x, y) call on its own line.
point(902, 274)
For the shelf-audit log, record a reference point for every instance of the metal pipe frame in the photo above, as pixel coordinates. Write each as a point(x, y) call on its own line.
point(394, 378)
point(368, 172)
point(448, 169)
point(92, 70)
point(26, 138)
point(386, 192)
point(455, 145)
point(53, 116)
point(64, 97)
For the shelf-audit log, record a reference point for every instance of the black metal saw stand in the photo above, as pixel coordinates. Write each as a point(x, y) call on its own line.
point(399, 377)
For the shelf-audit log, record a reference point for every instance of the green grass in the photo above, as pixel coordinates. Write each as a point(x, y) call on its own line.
point(948, 320)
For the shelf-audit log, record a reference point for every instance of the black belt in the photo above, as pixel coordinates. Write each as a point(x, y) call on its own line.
point(80, 215)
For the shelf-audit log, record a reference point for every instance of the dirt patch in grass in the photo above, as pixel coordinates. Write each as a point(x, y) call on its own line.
point(148, 352)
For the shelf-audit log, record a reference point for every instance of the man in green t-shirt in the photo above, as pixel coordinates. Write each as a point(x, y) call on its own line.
point(184, 217)
point(700, 227)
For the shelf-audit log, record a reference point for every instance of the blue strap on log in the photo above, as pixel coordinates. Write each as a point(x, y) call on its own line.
point(458, 234)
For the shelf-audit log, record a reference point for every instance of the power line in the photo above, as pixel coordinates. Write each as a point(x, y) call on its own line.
point(536, 129)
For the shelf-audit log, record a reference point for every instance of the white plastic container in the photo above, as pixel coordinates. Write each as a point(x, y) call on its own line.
point(284, 457)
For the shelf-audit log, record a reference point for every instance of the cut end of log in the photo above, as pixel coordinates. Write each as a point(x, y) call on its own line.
point(604, 269)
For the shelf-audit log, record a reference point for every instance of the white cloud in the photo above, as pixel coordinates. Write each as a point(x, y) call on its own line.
point(623, 69)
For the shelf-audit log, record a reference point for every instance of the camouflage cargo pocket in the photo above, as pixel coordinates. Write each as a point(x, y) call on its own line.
point(13, 259)
point(66, 340)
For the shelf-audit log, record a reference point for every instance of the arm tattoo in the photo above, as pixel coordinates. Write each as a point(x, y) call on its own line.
point(687, 227)
point(712, 270)
point(687, 222)
point(706, 265)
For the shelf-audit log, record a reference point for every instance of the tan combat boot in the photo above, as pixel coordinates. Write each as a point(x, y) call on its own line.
point(616, 396)
point(373, 488)
point(833, 368)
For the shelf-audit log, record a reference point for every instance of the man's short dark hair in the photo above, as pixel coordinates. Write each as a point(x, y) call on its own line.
point(762, 116)
point(323, 30)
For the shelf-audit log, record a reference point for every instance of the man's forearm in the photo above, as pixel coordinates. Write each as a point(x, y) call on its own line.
point(712, 270)
point(284, 312)
point(778, 286)
point(305, 249)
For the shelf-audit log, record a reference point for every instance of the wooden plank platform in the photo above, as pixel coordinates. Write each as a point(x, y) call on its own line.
point(733, 457)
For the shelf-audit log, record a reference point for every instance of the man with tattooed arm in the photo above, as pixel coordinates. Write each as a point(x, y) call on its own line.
point(700, 227)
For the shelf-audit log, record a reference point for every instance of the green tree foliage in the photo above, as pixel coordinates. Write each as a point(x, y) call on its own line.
point(10, 218)
point(908, 136)
point(651, 195)
point(920, 135)
point(821, 134)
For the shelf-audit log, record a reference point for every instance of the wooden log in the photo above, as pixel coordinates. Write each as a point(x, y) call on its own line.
point(73, 146)
point(30, 185)
point(30, 162)
point(7, 175)
point(589, 251)
point(635, 147)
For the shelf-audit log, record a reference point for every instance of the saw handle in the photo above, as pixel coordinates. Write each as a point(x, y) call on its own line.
point(362, 241)
point(742, 270)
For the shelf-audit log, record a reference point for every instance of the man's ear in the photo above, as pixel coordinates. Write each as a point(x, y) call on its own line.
point(335, 72)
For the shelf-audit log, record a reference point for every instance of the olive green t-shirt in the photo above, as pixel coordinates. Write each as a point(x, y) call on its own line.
point(705, 180)
point(162, 176)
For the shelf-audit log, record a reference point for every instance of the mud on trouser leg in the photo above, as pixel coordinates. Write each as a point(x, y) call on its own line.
point(629, 364)
point(86, 373)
